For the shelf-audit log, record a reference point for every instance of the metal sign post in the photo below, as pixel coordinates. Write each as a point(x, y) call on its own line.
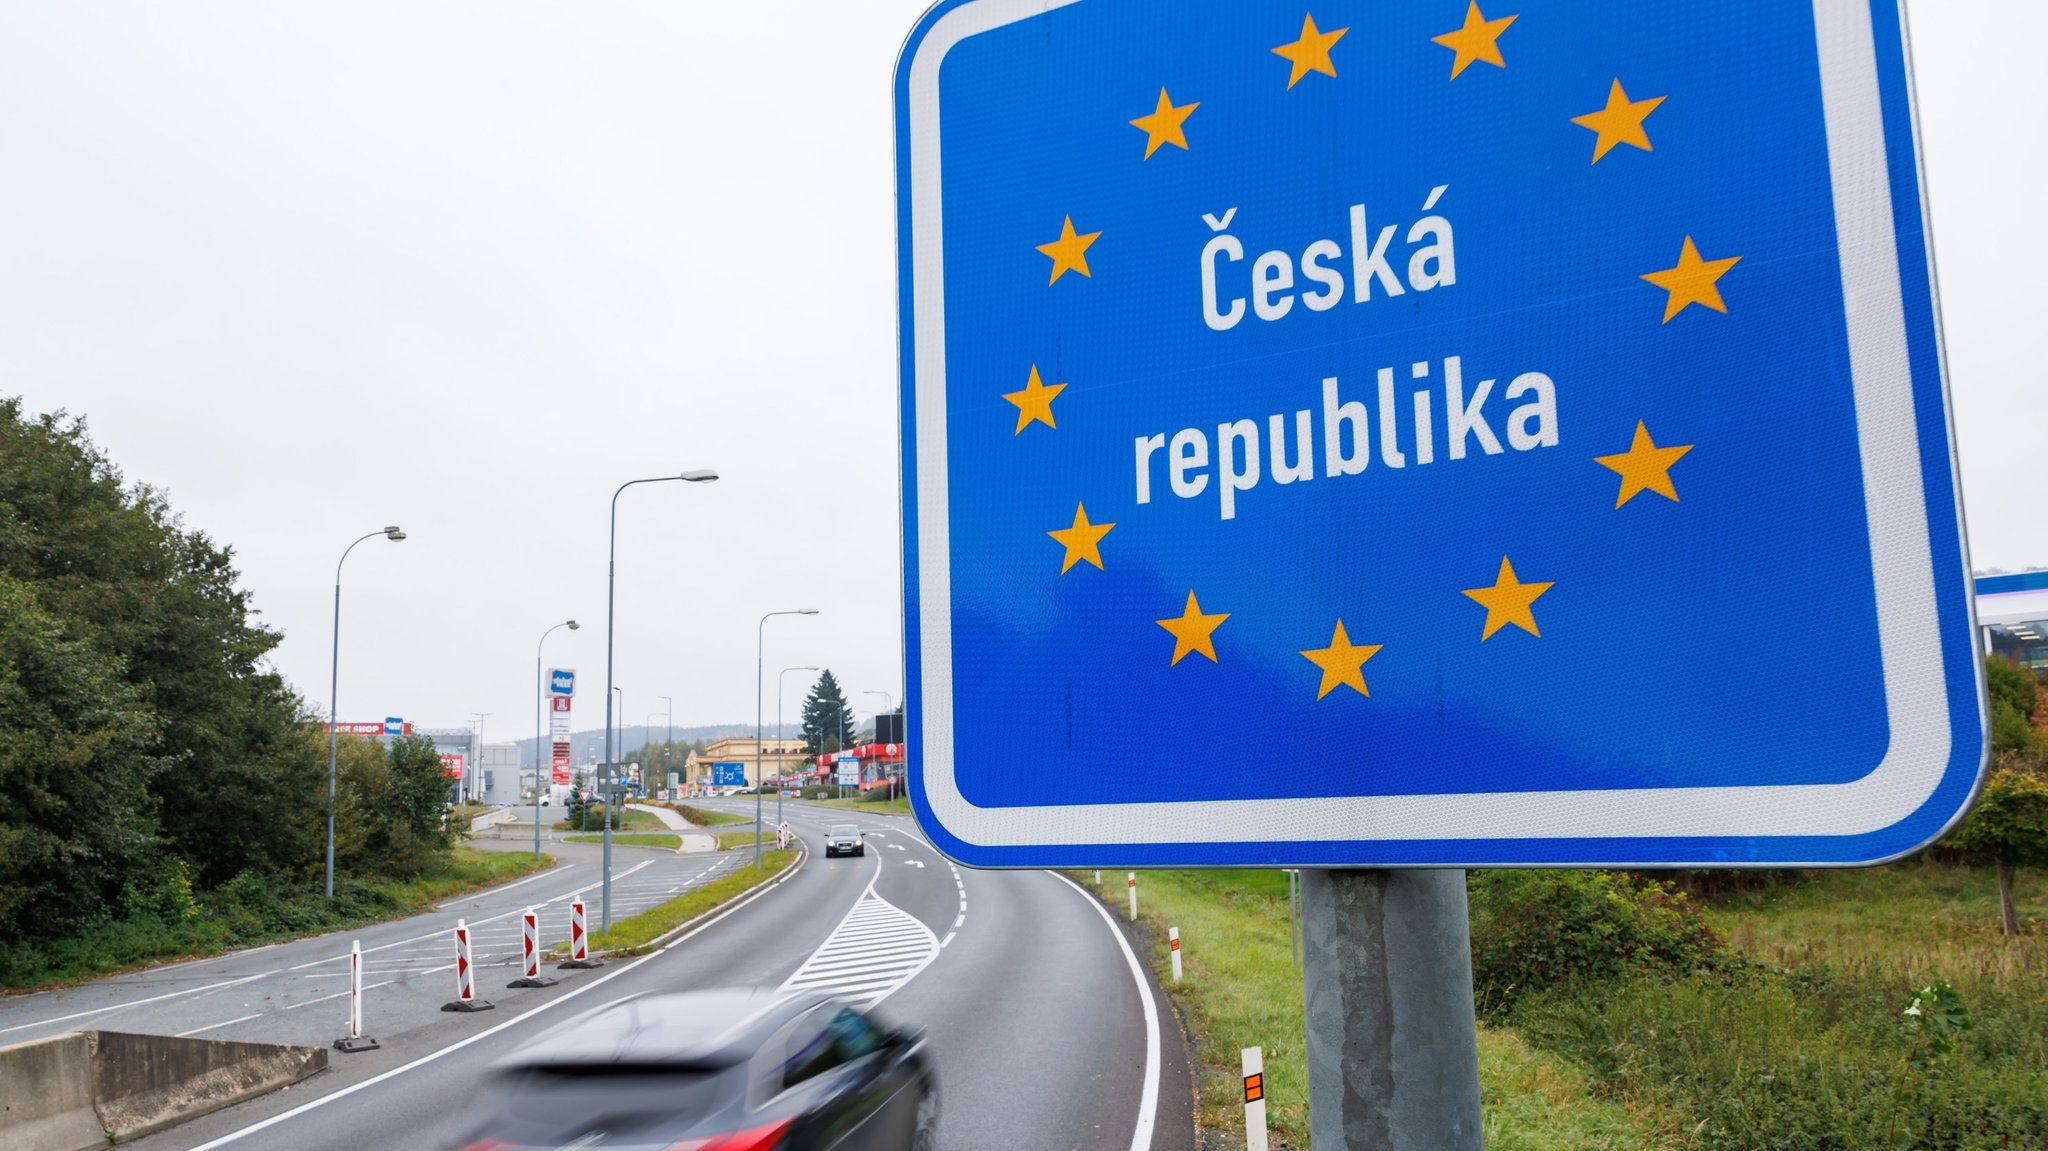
point(1473, 403)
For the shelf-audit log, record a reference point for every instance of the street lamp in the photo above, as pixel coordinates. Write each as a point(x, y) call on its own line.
point(759, 632)
point(668, 739)
point(540, 696)
point(778, 736)
point(393, 534)
point(697, 476)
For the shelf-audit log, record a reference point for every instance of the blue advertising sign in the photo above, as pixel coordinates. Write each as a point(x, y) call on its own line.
point(728, 775)
point(1407, 434)
point(561, 681)
point(394, 725)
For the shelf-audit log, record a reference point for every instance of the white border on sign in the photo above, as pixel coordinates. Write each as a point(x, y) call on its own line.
point(1909, 639)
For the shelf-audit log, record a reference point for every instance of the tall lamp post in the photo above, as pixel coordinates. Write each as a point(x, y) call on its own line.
point(889, 702)
point(760, 631)
point(778, 735)
point(393, 534)
point(668, 738)
point(697, 476)
point(613, 766)
point(540, 698)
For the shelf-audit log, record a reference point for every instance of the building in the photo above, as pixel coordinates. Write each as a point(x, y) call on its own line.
point(779, 757)
point(2012, 610)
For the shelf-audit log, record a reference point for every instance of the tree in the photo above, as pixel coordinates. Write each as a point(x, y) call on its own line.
point(827, 721)
point(2008, 826)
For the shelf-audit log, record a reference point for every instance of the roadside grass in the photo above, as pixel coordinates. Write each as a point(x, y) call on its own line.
point(1241, 989)
point(251, 912)
point(628, 839)
point(734, 840)
point(702, 816)
point(631, 935)
point(898, 806)
point(1810, 1046)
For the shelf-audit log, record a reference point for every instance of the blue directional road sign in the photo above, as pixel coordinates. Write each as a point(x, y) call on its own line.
point(728, 775)
point(1411, 434)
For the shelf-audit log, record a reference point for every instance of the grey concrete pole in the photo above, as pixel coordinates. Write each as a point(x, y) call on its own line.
point(1393, 1047)
point(760, 631)
point(540, 696)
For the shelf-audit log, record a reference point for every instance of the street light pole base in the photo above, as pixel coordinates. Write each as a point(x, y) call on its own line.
point(468, 1005)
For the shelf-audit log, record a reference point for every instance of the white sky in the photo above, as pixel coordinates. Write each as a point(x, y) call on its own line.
point(464, 268)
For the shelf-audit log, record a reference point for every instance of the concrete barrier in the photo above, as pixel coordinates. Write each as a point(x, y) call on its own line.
point(81, 1090)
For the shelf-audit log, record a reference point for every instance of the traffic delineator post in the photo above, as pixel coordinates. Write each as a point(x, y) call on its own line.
point(355, 1040)
point(1132, 878)
point(1173, 946)
point(465, 975)
point(529, 971)
point(579, 941)
point(1254, 1063)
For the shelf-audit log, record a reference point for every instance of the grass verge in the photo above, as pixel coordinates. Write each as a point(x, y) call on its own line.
point(734, 840)
point(704, 817)
point(1241, 989)
point(897, 806)
point(250, 912)
point(629, 839)
point(633, 934)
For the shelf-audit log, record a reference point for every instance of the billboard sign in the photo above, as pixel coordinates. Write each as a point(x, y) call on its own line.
point(849, 773)
point(451, 766)
point(383, 728)
point(1485, 410)
point(562, 681)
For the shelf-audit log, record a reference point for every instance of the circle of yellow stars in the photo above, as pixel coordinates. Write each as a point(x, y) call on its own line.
point(1644, 466)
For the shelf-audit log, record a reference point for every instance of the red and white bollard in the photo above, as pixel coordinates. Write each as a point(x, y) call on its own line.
point(1173, 946)
point(465, 975)
point(355, 1040)
point(1132, 877)
point(1254, 1099)
point(782, 837)
point(579, 940)
point(529, 933)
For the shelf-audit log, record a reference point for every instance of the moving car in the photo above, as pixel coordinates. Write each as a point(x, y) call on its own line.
point(730, 1070)
point(845, 840)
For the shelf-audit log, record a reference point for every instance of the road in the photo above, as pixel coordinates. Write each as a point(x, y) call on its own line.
point(1045, 1029)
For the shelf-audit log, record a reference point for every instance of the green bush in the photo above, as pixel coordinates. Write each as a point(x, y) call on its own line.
point(878, 795)
point(1536, 930)
point(1760, 1061)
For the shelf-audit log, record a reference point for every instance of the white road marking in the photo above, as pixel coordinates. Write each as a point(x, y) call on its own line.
point(1148, 1098)
point(139, 1002)
point(212, 1026)
point(310, 1002)
point(877, 948)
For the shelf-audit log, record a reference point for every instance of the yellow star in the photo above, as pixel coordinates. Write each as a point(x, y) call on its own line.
point(1082, 541)
point(1342, 662)
point(1644, 467)
point(1620, 122)
point(1507, 602)
point(1692, 281)
point(1034, 402)
point(1192, 631)
point(1311, 53)
point(1479, 39)
point(1068, 251)
point(1163, 126)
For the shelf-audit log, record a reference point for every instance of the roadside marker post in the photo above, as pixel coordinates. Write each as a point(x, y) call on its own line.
point(1173, 946)
point(1248, 323)
point(1254, 1063)
point(529, 938)
point(579, 941)
point(1132, 878)
point(465, 974)
point(355, 1040)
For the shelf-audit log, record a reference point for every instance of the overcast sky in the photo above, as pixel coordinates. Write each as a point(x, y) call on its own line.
point(314, 269)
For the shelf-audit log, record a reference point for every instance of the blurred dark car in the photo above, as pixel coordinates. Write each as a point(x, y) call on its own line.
point(734, 1070)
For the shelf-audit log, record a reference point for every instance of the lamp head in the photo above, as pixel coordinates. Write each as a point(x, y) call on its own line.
point(807, 611)
point(573, 625)
point(700, 476)
point(393, 533)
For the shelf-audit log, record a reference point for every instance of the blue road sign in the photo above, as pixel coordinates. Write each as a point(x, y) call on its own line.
point(728, 775)
point(1407, 434)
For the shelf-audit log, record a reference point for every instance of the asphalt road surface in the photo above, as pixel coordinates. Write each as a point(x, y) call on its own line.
point(1045, 1029)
